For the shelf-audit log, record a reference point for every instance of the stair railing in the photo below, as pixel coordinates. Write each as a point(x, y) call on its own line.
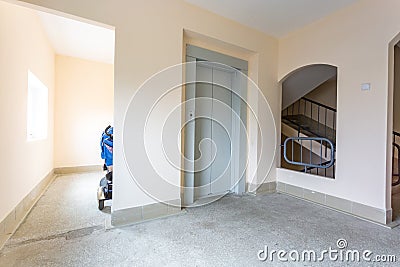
point(313, 158)
point(319, 112)
point(396, 147)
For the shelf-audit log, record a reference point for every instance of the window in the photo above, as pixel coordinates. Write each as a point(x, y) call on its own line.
point(38, 106)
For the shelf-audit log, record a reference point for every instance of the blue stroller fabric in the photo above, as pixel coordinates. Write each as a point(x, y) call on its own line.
point(106, 145)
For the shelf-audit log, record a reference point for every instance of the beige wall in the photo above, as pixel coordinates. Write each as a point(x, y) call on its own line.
point(356, 40)
point(396, 91)
point(149, 38)
point(84, 104)
point(325, 93)
point(23, 47)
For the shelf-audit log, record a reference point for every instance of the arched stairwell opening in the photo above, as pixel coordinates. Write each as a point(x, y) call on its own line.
point(309, 120)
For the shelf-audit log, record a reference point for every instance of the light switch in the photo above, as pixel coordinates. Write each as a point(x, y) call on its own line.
point(365, 86)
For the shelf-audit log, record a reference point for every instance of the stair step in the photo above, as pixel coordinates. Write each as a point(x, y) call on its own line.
point(310, 127)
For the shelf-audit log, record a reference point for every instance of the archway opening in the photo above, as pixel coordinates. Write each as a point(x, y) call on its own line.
point(308, 125)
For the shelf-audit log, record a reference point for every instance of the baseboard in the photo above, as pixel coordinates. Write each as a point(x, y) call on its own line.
point(350, 207)
point(145, 213)
point(267, 188)
point(264, 188)
point(12, 221)
point(78, 169)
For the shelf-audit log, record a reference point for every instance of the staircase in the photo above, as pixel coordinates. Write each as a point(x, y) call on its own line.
point(310, 128)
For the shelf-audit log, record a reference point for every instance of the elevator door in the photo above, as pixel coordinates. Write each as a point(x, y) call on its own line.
point(213, 130)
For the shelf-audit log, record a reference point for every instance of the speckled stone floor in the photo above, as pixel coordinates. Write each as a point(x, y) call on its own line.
point(66, 229)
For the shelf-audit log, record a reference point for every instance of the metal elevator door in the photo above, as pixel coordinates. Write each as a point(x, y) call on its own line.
point(213, 130)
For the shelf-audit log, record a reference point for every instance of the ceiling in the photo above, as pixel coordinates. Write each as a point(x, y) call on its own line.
point(78, 39)
point(273, 17)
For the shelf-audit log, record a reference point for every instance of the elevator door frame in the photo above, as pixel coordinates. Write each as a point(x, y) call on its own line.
point(194, 54)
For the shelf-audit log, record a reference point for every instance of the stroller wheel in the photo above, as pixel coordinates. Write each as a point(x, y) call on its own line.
point(101, 204)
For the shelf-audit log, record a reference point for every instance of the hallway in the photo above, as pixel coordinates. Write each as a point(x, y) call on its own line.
point(65, 228)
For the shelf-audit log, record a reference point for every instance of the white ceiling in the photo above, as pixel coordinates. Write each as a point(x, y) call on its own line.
point(78, 39)
point(274, 17)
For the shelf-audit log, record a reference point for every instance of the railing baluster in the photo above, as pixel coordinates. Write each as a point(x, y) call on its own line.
point(321, 153)
point(326, 115)
point(301, 151)
point(398, 165)
point(395, 146)
point(334, 125)
point(393, 159)
point(310, 152)
point(318, 118)
point(292, 150)
point(333, 119)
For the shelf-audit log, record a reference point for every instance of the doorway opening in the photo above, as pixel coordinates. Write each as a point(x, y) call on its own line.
point(80, 102)
point(215, 141)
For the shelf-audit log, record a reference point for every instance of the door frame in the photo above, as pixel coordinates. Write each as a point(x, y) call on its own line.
point(193, 54)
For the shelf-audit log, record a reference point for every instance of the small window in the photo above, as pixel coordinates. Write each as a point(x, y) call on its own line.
point(38, 107)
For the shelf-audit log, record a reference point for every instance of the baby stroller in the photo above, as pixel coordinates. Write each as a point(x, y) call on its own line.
point(104, 191)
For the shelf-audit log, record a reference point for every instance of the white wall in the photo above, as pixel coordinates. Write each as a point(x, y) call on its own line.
point(149, 38)
point(23, 47)
point(84, 104)
point(356, 40)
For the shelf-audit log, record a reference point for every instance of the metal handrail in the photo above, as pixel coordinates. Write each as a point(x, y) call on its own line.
point(308, 165)
point(319, 104)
